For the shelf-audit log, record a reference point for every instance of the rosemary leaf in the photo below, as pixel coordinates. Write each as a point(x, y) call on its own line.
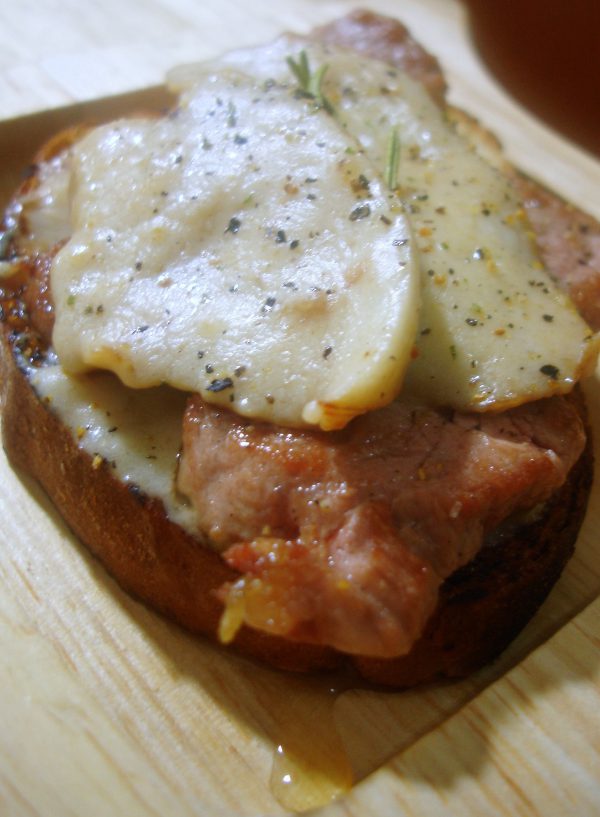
point(393, 160)
point(300, 70)
point(310, 83)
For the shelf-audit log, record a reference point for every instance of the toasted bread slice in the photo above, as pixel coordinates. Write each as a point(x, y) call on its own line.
point(481, 607)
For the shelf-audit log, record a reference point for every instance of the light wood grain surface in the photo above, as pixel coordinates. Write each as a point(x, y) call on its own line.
point(105, 708)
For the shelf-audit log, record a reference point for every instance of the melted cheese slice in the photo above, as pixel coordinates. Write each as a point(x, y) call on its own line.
point(137, 432)
point(44, 207)
point(241, 248)
point(494, 329)
point(252, 248)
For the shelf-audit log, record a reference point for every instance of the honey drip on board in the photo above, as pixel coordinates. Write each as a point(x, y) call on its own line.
point(311, 766)
point(329, 733)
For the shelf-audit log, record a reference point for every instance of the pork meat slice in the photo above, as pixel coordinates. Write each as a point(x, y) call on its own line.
point(569, 245)
point(344, 538)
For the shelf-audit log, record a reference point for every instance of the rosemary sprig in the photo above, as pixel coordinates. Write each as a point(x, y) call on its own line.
point(301, 70)
point(393, 160)
point(311, 83)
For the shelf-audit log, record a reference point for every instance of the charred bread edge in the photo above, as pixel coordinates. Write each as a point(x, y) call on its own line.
point(480, 610)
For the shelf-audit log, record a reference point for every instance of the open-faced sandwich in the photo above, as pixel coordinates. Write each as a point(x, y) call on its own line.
point(299, 365)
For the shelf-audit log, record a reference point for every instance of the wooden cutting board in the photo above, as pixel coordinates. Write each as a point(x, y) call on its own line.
point(105, 708)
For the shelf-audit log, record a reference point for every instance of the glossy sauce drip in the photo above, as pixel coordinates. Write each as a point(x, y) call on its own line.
point(329, 733)
point(311, 766)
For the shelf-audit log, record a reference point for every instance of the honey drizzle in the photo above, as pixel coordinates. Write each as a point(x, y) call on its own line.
point(311, 766)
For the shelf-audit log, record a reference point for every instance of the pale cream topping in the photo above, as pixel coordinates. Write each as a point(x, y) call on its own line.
point(494, 329)
point(137, 432)
point(243, 249)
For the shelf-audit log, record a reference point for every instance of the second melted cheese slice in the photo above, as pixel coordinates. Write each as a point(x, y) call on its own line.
point(494, 329)
point(241, 248)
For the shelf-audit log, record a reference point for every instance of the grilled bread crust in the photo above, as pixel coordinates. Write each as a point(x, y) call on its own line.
point(481, 607)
